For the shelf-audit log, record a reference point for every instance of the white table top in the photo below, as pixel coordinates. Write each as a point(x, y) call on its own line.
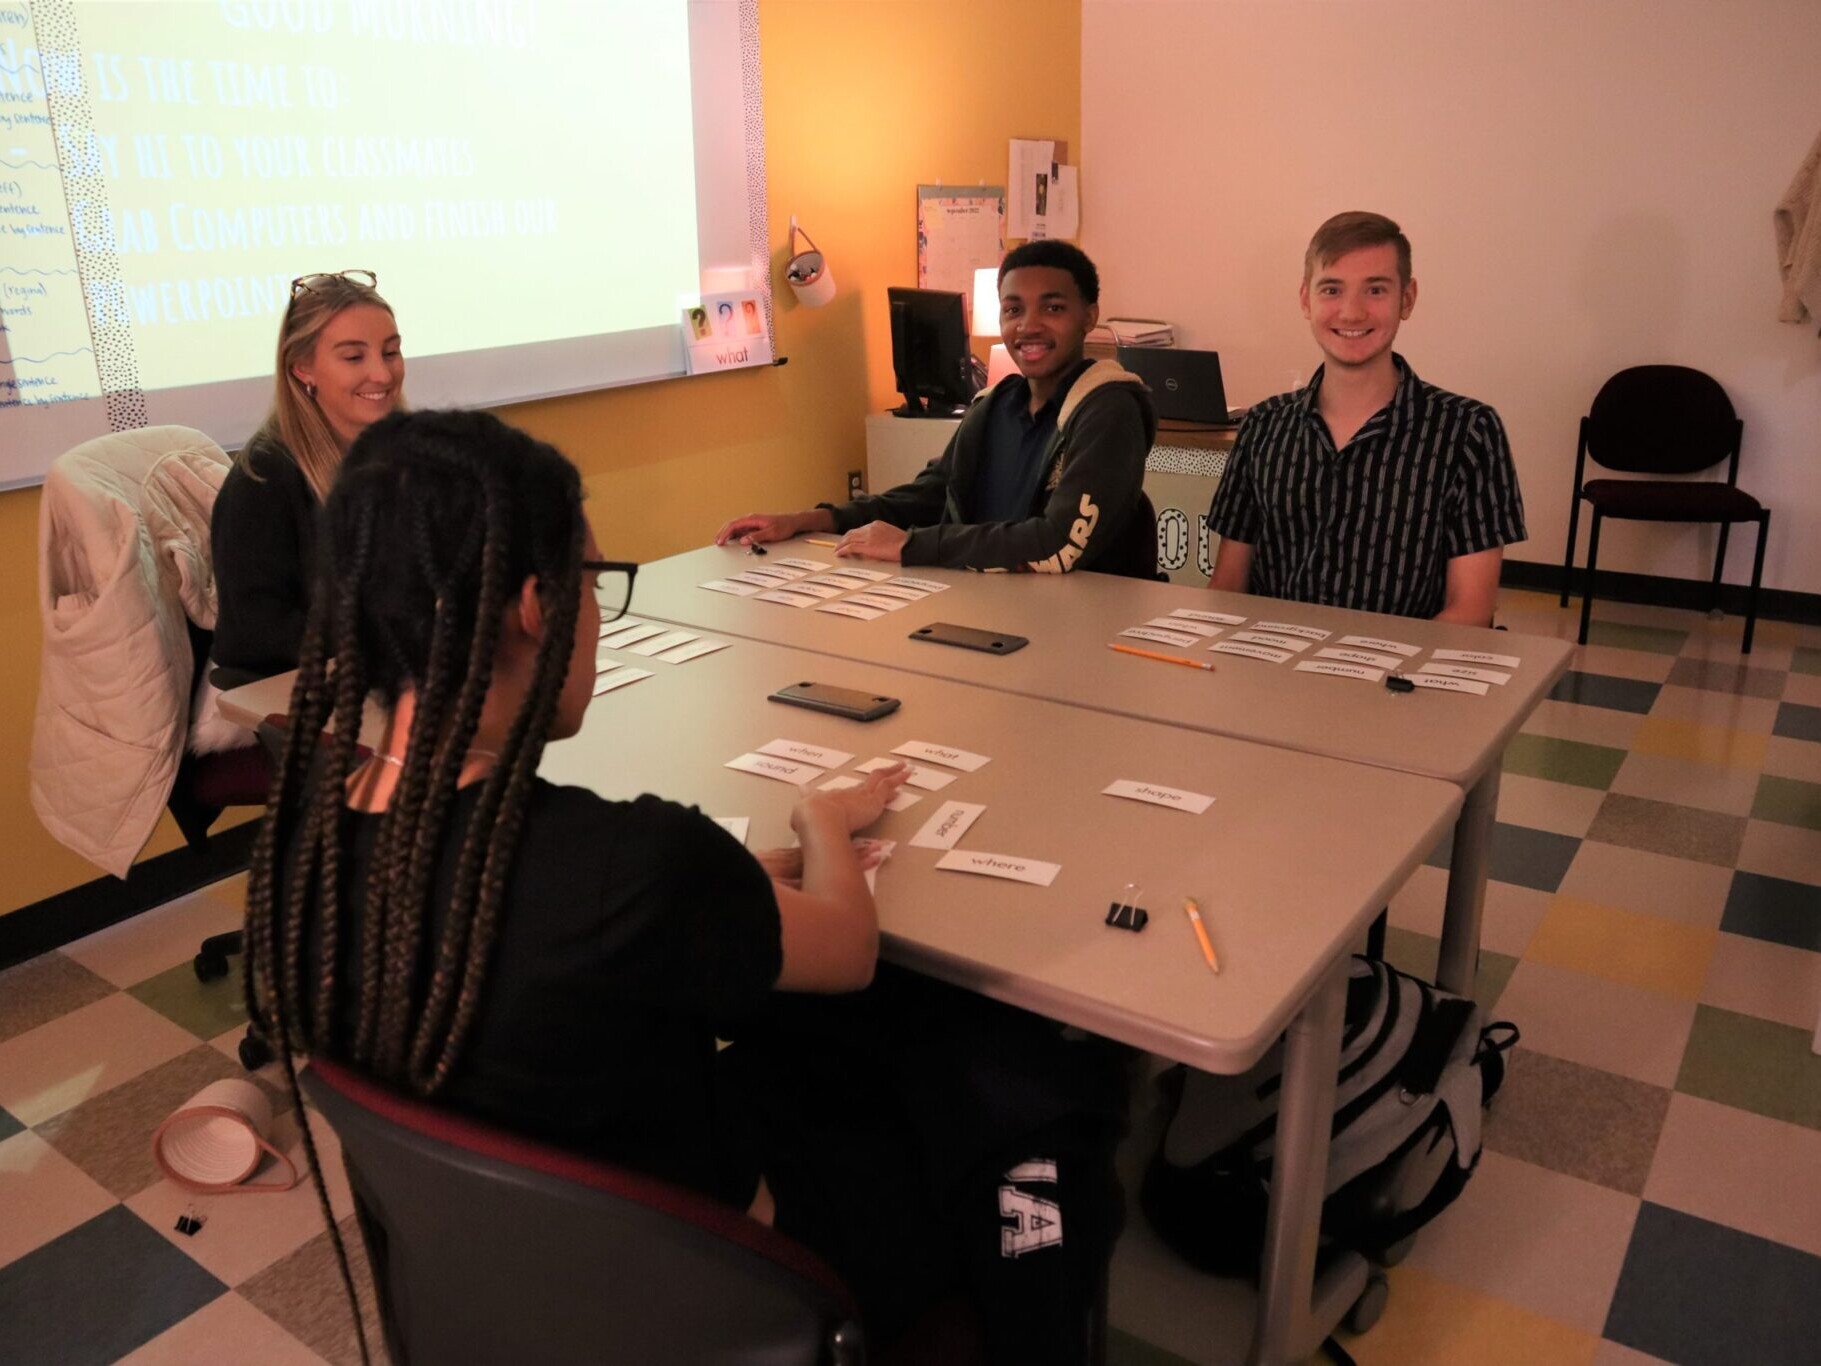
point(1294, 858)
point(1070, 620)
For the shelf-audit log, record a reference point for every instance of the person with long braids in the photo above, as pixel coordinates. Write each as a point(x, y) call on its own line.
point(340, 368)
point(440, 918)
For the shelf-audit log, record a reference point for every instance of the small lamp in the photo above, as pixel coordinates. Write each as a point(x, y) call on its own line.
point(986, 323)
point(986, 302)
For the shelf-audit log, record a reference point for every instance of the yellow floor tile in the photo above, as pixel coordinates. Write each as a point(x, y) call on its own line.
point(1699, 743)
point(1429, 1322)
point(1624, 946)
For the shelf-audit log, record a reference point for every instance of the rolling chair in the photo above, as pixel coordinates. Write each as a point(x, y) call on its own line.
point(490, 1247)
point(1663, 419)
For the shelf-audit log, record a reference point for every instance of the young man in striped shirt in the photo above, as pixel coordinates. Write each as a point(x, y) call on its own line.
point(1369, 488)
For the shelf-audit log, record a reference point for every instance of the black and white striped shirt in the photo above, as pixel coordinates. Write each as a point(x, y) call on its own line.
point(1372, 527)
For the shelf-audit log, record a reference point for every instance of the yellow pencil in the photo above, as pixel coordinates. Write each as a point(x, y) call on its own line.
point(1167, 659)
point(811, 540)
point(1201, 932)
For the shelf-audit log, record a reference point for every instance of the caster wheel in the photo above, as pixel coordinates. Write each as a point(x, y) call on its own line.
point(255, 1052)
point(1396, 1252)
point(210, 966)
point(1370, 1305)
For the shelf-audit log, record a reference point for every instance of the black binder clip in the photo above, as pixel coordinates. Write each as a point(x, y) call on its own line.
point(1398, 683)
point(189, 1223)
point(1126, 913)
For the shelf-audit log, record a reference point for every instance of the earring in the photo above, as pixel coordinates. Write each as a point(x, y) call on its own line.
point(310, 389)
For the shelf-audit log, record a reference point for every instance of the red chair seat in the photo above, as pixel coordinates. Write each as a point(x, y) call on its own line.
point(232, 777)
point(1671, 500)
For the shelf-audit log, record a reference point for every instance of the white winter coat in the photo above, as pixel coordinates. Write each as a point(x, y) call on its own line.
point(123, 557)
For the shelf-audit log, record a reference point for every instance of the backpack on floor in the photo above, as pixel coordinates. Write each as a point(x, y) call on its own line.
point(1416, 1070)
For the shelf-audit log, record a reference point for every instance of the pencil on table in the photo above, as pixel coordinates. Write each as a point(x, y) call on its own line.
point(1167, 659)
point(1201, 932)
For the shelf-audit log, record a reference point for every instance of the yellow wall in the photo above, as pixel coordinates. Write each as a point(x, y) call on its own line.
point(864, 99)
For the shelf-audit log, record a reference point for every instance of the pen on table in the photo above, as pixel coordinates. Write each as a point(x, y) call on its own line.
point(1167, 659)
point(1193, 911)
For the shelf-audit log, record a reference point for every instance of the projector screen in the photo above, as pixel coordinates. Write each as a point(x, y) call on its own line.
point(539, 188)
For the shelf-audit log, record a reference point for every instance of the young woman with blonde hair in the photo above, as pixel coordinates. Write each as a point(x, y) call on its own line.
point(340, 369)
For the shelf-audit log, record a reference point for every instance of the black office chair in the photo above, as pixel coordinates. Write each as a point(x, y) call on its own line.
point(1663, 419)
point(490, 1247)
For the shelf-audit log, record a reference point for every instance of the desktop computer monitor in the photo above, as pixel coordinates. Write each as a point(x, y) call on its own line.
point(930, 359)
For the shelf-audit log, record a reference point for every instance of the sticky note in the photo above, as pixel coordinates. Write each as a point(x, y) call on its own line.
point(878, 601)
point(1174, 623)
point(1478, 657)
point(926, 585)
point(778, 595)
point(620, 639)
point(898, 590)
point(1284, 628)
point(668, 640)
point(1037, 873)
point(619, 678)
point(1270, 639)
point(1440, 684)
point(1462, 671)
point(848, 609)
point(804, 752)
point(682, 654)
point(1162, 637)
point(1158, 795)
point(1390, 647)
point(947, 826)
point(1372, 659)
point(741, 590)
point(1339, 670)
point(962, 759)
point(1236, 647)
point(782, 769)
point(1219, 618)
point(796, 562)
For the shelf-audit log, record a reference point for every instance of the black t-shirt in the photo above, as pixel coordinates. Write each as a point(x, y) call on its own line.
point(262, 535)
point(631, 932)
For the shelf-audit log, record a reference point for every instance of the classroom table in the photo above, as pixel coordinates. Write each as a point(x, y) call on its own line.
point(1290, 863)
point(1071, 619)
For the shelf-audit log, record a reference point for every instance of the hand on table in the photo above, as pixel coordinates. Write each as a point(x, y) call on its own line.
point(758, 527)
point(874, 541)
point(786, 865)
point(857, 807)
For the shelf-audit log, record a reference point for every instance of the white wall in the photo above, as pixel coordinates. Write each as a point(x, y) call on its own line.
point(1587, 186)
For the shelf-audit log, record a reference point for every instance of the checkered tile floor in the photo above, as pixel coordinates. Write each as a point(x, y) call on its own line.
point(1651, 1187)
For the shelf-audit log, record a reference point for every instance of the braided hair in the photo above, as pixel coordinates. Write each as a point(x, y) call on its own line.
point(434, 523)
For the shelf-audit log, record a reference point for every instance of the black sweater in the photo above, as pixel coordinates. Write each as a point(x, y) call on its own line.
point(263, 538)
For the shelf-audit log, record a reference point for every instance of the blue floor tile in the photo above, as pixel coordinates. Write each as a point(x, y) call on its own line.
point(1603, 690)
point(96, 1293)
point(1773, 908)
point(1798, 722)
point(1528, 858)
point(1702, 1294)
point(8, 1126)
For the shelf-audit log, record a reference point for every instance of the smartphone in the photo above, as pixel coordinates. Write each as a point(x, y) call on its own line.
point(969, 638)
point(848, 702)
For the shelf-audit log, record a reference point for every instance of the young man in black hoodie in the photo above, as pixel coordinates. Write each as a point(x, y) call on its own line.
point(1045, 472)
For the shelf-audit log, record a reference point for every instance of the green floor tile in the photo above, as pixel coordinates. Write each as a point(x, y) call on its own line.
point(1125, 1350)
point(1788, 801)
point(206, 1009)
point(1807, 660)
point(1418, 954)
point(1563, 761)
point(1656, 639)
point(1752, 1064)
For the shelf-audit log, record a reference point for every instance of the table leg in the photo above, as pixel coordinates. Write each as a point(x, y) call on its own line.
point(1294, 1314)
point(1467, 872)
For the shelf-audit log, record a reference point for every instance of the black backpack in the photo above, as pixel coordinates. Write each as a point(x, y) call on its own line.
point(1417, 1068)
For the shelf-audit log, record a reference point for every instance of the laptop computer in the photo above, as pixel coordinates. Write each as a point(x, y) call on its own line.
point(1185, 385)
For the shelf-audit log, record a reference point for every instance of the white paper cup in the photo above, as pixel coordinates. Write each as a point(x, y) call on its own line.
point(218, 1138)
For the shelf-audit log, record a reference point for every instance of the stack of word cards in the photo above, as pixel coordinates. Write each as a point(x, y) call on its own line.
point(1469, 671)
point(1184, 627)
point(650, 641)
point(848, 591)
